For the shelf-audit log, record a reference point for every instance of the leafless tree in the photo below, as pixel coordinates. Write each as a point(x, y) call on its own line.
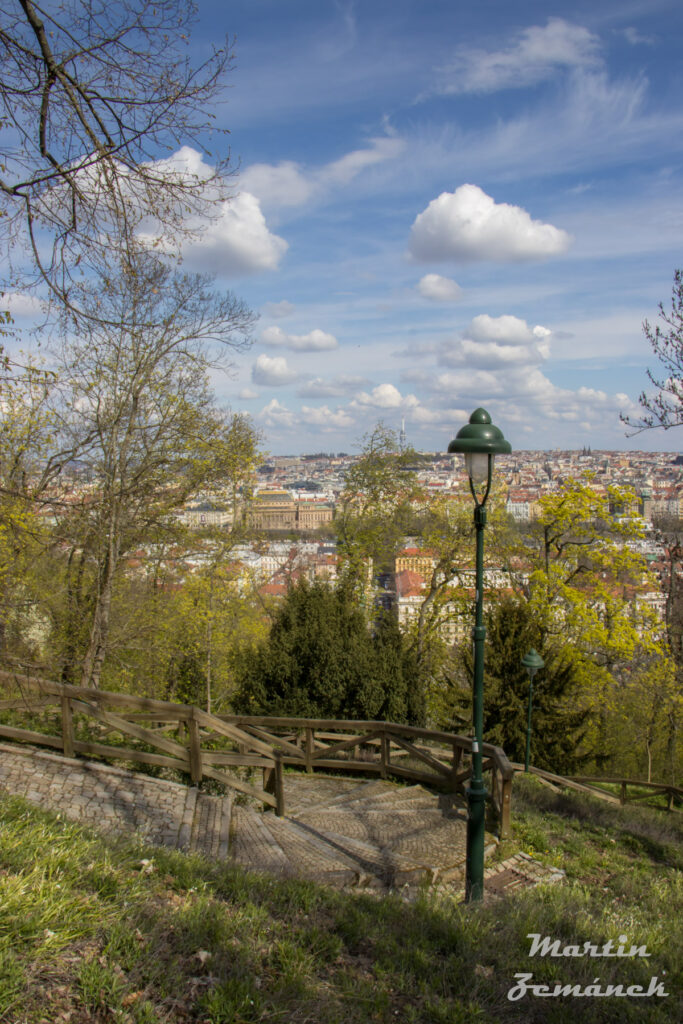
point(665, 408)
point(94, 96)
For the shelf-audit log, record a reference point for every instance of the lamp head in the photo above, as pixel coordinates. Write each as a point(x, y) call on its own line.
point(478, 440)
point(532, 662)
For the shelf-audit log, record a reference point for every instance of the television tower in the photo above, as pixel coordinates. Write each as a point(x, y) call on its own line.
point(402, 436)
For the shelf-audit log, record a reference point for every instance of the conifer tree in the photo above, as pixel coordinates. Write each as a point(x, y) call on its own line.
point(557, 723)
point(321, 660)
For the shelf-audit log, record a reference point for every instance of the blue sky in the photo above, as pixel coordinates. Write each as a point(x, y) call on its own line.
point(442, 205)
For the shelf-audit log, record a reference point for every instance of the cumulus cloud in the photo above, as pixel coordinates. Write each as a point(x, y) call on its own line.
point(273, 372)
point(536, 54)
point(315, 341)
point(247, 393)
point(469, 225)
point(507, 330)
point(289, 184)
point(439, 289)
point(21, 304)
point(385, 396)
point(235, 239)
point(325, 418)
point(491, 342)
point(281, 184)
point(276, 415)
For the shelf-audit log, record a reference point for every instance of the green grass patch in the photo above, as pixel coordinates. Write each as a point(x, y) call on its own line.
point(93, 930)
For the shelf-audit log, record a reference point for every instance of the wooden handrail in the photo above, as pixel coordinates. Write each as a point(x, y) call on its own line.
point(423, 755)
point(323, 742)
point(590, 784)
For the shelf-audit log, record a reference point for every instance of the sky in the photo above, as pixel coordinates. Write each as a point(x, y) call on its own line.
point(442, 205)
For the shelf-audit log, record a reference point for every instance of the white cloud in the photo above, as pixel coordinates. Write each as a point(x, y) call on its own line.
point(289, 184)
point(344, 170)
point(21, 304)
point(323, 417)
point(439, 289)
point(237, 241)
point(507, 330)
point(272, 372)
point(247, 393)
point(635, 38)
point(536, 55)
point(468, 225)
point(278, 310)
point(319, 388)
point(281, 184)
point(233, 238)
point(315, 341)
point(276, 415)
point(385, 396)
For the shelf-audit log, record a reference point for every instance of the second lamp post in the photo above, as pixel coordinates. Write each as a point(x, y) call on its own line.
point(479, 441)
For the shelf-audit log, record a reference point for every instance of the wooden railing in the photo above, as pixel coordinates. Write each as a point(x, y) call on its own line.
point(201, 745)
point(673, 793)
point(183, 737)
point(439, 759)
point(592, 785)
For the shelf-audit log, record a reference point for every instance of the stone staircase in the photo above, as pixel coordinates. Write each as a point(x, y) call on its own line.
point(345, 832)
point(337, 831)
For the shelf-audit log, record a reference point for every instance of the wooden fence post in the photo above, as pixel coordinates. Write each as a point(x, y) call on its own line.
point(505, 801)
point(67, 727)
point(195, 747)
point(384, 755)
point(457, 757)
point(310, 748)
point(279, 786)
point(273, 783)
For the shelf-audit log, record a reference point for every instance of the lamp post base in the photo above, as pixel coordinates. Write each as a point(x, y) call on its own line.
point(474, 870)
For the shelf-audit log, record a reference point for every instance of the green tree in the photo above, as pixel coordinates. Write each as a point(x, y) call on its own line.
point(558, 725)
point(135, 406)
point(375, 505)
point(322, 661)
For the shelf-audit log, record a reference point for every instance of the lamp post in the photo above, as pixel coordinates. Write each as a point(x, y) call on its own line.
point(479, 441)
point(532, 662)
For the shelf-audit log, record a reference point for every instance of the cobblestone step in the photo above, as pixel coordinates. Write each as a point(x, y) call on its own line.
point(374, 834)
point(210, 831)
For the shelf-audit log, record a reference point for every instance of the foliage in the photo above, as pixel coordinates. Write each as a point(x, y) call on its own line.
point(587, 588)
point(664, 408)
point(147, 934)
point(322, 661)
point(93, 97)
point(375, 504)
point(133, 405)
point(557, 722)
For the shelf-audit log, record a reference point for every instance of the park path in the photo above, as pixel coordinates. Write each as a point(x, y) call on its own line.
point(337, 831)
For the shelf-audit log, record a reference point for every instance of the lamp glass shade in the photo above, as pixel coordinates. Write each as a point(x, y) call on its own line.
point(477, 464)
point(532, 662)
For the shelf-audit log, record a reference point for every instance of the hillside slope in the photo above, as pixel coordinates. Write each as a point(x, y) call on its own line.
point(93, 930)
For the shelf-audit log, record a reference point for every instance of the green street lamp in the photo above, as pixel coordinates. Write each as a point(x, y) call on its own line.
point(532, 662)
point(479, 441)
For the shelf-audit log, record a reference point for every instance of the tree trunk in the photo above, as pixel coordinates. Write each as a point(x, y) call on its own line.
point(99, 630)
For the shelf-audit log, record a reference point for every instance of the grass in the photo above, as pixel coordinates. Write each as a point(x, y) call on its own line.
point(95, 930)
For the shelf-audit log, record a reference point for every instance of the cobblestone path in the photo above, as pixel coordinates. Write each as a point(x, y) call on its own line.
point(337, 831)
